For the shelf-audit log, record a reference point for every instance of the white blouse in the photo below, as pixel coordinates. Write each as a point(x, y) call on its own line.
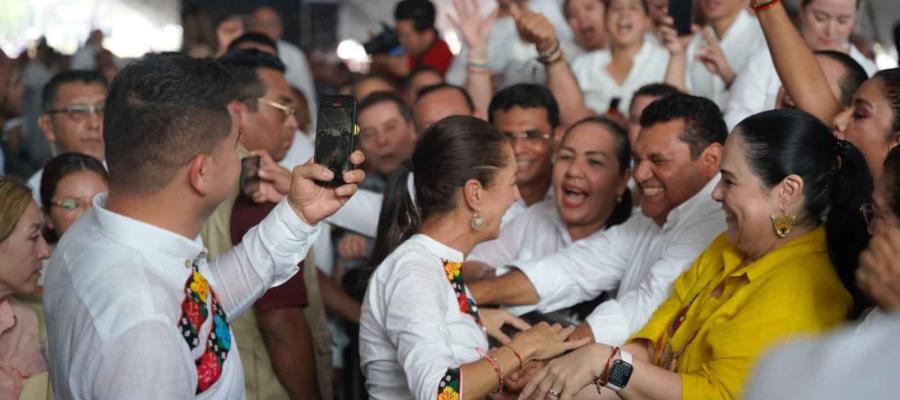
point(649, 66)
point(739, 42)
point(418, 323)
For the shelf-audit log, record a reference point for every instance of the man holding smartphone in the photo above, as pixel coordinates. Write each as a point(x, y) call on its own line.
point(134, 309)
point(267, 124)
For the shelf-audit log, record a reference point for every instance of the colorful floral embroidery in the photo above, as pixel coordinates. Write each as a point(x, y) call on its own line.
point(194, 312)
point(466, 304)
point(450, 386)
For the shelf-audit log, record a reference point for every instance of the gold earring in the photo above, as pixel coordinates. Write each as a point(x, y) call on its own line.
point(477, 223)
point(782, 224)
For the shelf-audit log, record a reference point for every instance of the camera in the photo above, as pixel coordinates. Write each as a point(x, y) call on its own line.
point(386, 42)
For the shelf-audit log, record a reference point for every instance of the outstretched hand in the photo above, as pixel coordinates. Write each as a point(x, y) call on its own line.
point(545, 341)
point(313, 202)
point(494, 319)
point(475, 29)
point(567, 374)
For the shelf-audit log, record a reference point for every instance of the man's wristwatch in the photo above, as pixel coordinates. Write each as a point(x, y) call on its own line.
point(620, 372)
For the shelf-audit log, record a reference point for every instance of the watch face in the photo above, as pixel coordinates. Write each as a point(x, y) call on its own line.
point(620, 373)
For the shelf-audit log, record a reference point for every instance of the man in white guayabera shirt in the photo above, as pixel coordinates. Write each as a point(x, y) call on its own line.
point(134, 310)
point(676, 165)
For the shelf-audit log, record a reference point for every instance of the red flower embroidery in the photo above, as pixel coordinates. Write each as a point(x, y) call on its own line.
point(193, 313)
point(208, 371)
point(463, 303)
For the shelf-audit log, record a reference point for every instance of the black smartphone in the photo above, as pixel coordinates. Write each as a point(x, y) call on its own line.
point(336, 132)
point(249, 174)
point(682, 11)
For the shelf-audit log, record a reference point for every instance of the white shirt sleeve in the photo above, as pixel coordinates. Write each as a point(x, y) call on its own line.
point(145, 362)
point(267, 256)
point(415, 325)
point(748, 92)
point(582, 271)
point(360, 213)
point(613, 321)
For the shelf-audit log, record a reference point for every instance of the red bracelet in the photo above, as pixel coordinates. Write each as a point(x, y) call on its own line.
point(521, 363)
point(496, 366)
point(764, 7)
point(604, 377)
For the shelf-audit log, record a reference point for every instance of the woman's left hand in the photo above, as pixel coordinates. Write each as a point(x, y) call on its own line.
point(568, 374)
point(494, 318)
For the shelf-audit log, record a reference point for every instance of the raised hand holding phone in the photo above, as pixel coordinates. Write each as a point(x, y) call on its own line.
point(313, 201)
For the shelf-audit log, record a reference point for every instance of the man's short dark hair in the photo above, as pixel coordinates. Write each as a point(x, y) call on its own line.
point(854, 74)
point(161, 112)
point(51, 89)
point(387, 97)
point(525, 95)
point(420, 12)
point(255, 38)
point(440, 86)
point(654, 90)
point(243, 64)
point(703, 122)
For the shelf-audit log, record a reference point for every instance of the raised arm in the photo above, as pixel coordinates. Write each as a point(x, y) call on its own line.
point(269, 252)
point(796, 64)
point(476, 31)
point(676, 71)
point(536, 28)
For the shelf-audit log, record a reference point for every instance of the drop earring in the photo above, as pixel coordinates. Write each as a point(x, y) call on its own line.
point(477, 223)
point(783, 224)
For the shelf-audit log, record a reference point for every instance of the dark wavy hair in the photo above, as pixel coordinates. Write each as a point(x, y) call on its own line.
point(836, 180)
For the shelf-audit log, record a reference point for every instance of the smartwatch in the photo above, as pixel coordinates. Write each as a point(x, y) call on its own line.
point(620, 372)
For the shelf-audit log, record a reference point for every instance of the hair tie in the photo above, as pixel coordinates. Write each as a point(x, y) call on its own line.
point(841, 146)
point(408, 164)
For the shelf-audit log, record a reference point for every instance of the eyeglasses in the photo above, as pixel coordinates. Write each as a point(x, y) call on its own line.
point(868, 212)
point(79, 112)
point(287, 110)
point(530, 135)
point(71, 204)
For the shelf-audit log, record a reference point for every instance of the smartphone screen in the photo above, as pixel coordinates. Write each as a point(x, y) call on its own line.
point(335, 135)
point(249, 174)
point(682, 12)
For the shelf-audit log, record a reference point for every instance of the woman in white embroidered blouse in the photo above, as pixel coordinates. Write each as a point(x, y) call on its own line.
point(633, 59)
point(421, 335)
point(590, 174)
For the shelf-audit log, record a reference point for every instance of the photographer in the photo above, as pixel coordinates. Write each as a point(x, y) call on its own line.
point(416, 34)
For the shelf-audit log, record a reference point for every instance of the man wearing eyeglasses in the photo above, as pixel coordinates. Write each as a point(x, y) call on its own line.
point(528, 115)
point(274, 341)
point(72, 116)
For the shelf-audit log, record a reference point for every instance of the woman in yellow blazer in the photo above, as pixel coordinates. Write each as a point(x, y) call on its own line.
point(770, 276)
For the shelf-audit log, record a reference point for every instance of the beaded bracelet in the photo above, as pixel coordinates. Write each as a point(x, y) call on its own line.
point(603, 379)
point(757, 7)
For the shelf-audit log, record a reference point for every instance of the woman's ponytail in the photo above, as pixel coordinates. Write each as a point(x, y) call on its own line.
point(845, 227)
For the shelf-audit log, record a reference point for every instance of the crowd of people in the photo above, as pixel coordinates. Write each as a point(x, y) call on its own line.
point(587, 202)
